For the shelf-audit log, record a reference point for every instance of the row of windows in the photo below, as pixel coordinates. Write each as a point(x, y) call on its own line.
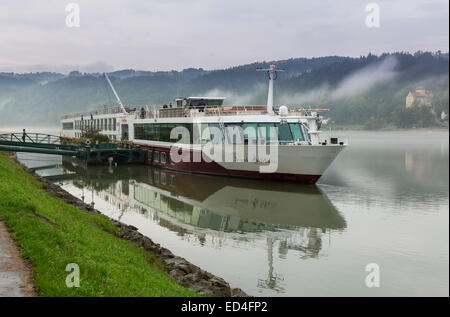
point(80, 135)
point(236, 133)
point(101, 124)
point(156, 157)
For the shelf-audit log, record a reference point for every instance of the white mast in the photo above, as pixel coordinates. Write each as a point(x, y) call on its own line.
point(115, 94)
point(272, 72)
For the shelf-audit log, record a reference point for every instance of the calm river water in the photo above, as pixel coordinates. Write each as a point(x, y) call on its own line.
point(384, 200)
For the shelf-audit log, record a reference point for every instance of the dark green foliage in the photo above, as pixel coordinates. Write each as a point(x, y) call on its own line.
point(39, 99)
point(375, 124)
point(99, 139)
point(414, 117)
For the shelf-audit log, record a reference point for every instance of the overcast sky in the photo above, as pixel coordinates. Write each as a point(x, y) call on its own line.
point(176, 34)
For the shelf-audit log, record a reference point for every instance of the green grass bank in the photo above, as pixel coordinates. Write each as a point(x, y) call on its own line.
point(53, 234)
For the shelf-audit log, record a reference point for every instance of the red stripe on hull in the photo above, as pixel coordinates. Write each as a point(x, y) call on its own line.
point(213, 168)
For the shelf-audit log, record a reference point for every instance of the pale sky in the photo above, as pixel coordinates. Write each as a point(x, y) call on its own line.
point(177, 34)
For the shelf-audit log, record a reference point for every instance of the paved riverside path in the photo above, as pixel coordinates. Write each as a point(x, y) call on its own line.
point(15, 277)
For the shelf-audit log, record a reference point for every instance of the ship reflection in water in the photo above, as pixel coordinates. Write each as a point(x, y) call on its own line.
point(213, 212)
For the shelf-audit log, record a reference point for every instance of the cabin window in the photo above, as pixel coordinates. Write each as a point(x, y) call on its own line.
point(216, 133)
point(234, 134)
point(149, 155)
point(250, 133)
point(67, 125)
point(139, 131)
point(163, 178)
point(159, 132)
point(164, 132)
point(163, 157)
point(156, 157)
point(205, 134)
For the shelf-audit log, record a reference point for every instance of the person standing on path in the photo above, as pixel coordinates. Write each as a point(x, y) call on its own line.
point(23, 135)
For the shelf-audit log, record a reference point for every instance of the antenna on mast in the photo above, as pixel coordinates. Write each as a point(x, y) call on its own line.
point(272, 71)
point(115, 93)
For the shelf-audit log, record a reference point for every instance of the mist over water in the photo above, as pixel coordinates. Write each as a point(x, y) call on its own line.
point(384, 200)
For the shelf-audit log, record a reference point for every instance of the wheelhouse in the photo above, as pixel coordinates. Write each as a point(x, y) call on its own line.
point(199, 102)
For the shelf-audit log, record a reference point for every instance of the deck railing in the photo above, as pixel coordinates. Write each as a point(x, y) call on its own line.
point(156, 111)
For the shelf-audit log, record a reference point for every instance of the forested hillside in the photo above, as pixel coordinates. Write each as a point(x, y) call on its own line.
point(369, 90)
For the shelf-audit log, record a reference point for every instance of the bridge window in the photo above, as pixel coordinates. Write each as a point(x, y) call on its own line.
point(156, 156)
point(296, 132)
point(163, 157)
point(305, 132)
point(284, 133)
point(114, 124)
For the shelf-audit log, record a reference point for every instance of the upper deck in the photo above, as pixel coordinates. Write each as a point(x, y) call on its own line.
point(195, 107)
point(95, 112)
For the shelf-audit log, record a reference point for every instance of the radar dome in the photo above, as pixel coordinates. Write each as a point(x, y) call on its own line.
point(283, 111)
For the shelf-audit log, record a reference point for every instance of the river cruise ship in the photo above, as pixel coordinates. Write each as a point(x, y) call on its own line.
point(203, 135)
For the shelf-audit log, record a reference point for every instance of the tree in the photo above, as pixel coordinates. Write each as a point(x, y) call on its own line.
point(375, 123)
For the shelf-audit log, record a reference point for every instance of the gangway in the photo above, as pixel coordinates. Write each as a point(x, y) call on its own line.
point(52, 144)
point(37, 140)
